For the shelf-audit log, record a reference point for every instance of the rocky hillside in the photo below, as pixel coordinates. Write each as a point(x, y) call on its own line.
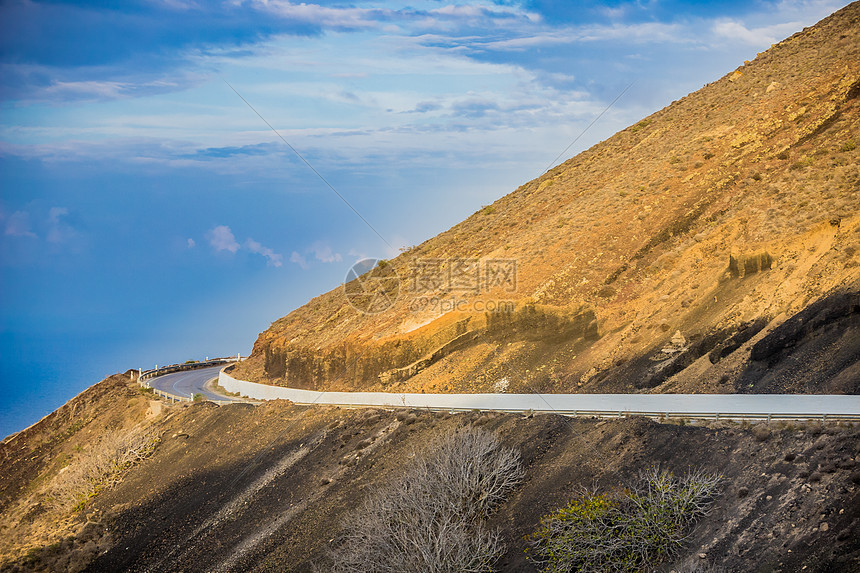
point(270, 488)
point(675, 256)
point(711, 247)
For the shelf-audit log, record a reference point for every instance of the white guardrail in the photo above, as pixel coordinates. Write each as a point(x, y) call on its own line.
point(145, 375)
point(764, 407)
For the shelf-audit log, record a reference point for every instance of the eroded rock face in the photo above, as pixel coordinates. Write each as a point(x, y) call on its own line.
point(750, 263)
point(400, 358)
point(736, 205)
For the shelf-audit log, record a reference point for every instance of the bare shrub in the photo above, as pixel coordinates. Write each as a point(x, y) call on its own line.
point(622, 532)
point(761, 432)
point(101, 466)
point(430, 519)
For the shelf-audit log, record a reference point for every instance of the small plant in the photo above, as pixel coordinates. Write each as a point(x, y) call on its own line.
point(488, 210)
point(849, 145)
point(641, 125)
point(800, 164)
point(626, 531)
point(198, 397)
point(783, 155)
point(761, 432)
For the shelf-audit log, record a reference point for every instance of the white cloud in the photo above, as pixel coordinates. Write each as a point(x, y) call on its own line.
point(298, 259)
point(222, 239)
point(644, 32)
point(59, 231)
point(762, 36)
point(274, 259)
point(55, 213)
point(18, 225)
point(191, 243)
point(324, 253)
point(322, 15)
point(357, 255)
point(85, 89)
point(483, 10)
point(402, 97)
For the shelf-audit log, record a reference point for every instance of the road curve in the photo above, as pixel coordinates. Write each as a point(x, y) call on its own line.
point(190, 382)
point(187, 383)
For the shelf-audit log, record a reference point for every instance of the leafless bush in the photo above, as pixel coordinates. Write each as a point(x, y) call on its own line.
point(98, 467)
point(430, 519)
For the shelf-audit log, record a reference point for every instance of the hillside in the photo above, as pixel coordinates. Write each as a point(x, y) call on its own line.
point(711, 247)
point(269, 488)
point(663, 259)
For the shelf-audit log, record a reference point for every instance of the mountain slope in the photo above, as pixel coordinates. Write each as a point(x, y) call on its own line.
point(272, 487)
point(657, 259)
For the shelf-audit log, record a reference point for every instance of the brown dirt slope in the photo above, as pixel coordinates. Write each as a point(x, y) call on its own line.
point(267, 488)
point(711, 222)
point(32, 459)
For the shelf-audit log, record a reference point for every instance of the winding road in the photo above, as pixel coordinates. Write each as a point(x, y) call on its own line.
point(190, 382)
point(187, 383)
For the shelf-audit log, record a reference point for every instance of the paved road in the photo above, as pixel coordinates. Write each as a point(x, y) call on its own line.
point(784, 406)
point(193, 382)
point(189, 383)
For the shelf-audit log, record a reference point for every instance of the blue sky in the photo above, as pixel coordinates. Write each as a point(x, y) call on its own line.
point(147, 215)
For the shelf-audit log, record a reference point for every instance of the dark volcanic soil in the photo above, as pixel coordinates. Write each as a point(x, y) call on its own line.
point(242, 488)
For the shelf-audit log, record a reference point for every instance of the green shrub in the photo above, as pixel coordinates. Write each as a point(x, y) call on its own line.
point(640, 526)
point(641, 125)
